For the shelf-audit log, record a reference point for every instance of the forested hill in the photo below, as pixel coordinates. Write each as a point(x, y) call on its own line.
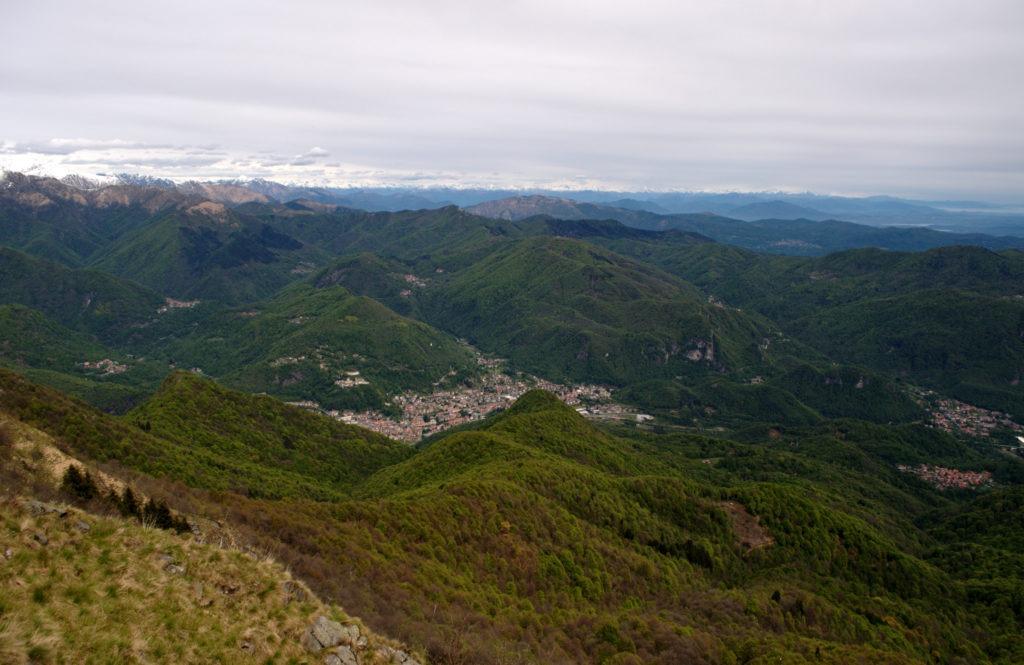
point(543, 539)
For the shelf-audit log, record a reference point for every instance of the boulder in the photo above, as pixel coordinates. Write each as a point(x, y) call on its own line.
point(323, 634)
point(41, 508)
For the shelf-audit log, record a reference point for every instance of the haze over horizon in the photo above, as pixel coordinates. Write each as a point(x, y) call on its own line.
point(911, 99)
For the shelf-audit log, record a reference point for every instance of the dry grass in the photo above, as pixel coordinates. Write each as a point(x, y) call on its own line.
point(110, 593)
point(40, 451)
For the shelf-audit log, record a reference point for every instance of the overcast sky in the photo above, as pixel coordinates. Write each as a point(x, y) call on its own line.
point(921, 99)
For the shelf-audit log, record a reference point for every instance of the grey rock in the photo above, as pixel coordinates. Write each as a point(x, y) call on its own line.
point(396, 656)
point(8, 553)
point(40, 538)
point(36, 507)
point(41, 508)
point(310, 643)
point(323, 634)
point(82, 526)
point(343, 655)
point(174, 569)
point(328, 633)
point(351, 635)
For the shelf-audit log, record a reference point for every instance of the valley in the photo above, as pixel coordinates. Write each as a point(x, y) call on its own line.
point(516, 440)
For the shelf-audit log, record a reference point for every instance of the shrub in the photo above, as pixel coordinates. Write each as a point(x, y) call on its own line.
point(6, 441)
point(79, 484)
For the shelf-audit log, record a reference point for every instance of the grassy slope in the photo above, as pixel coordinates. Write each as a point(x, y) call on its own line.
point(76, 585)
point(105, 594)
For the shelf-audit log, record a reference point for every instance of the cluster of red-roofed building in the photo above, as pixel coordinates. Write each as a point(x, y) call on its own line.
point(945, 478)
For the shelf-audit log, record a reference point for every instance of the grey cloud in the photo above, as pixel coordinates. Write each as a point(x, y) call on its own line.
point(887, 96)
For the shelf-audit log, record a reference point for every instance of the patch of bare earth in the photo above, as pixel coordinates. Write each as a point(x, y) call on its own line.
point(750, 534)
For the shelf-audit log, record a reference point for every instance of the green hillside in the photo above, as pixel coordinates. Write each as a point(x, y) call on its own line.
point(291, 453)
point(262, 433)
point(567, 309)
point(73, 362)
point(29, 339)
point(209, 252)
point(295, 345)
point(51, 220)
point(300, 343)
point(562, 544)
point(382, 279)
point(949, 318)
point(446, 238)
point(88, 301)
point(969, 345)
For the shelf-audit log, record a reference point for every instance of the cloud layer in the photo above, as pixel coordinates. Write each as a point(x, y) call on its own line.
point(913, 98)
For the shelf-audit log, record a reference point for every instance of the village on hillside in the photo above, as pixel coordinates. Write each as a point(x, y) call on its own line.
point(956, 417)
point(944, 478)
point(495, 388)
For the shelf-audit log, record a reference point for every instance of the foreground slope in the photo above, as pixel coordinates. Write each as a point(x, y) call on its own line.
point(81, 584)
point(537, 538)
point(538, 528)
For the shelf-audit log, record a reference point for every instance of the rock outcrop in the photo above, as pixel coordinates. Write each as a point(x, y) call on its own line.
point(344, 644)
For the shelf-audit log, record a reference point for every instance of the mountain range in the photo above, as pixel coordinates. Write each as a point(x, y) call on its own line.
point(805, 445)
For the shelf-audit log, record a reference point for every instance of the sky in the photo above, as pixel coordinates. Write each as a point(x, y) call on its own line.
point(923, 99)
